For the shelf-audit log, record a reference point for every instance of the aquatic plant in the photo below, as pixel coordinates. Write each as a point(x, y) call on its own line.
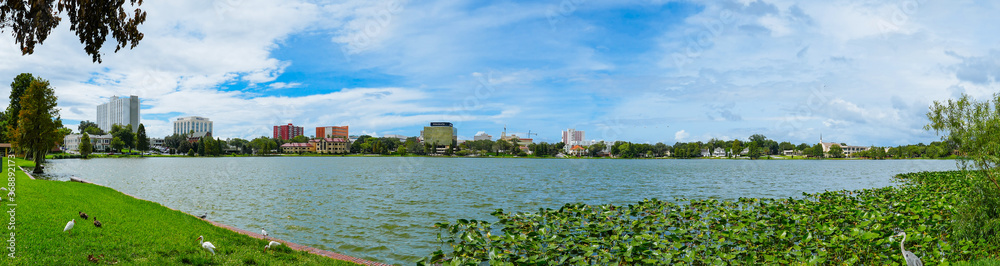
point(833, 227)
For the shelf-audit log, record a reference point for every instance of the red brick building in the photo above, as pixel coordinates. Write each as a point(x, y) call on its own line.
point(286, 132)
point(331, 132)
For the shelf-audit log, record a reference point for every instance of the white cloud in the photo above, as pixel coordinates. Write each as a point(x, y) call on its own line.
point(284, 85)
point(764, 71)
point(681, 135)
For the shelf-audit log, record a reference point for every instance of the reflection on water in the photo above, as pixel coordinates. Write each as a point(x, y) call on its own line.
point(383, 208)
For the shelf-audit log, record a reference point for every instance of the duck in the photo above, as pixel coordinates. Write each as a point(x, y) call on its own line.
point(96, 222)
point(83, 215)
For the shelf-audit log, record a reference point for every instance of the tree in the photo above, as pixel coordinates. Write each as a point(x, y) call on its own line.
point(759, 139)
point(753, 151)
point(90, 128)
point(802, 147)
point(17, 87)
point(263, 145)
point(184, 147)
point(659, 149)
point(784, 146)
point(737, 148)
point(117, 144)
point(356, 146)
point(38, 122)
point(241, 145)
point(141, 141)
point(515, 146)
point(32, 21)
point(836, 151)
point(974, 128)
point(200, 146)
point(595, 149)
point(85, 146)
point(124, 133)
point(815, 151)
point(173, 141)
point(299, 139)
point(626, 150)
point(63, 132)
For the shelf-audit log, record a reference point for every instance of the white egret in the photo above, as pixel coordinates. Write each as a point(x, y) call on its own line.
point(206, 245)
point(69, 226)
point(911, 259)
point(272, 244)
point(262, 232)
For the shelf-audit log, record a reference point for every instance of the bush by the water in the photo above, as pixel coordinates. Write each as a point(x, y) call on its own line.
point(66, 156)
point(842, 227)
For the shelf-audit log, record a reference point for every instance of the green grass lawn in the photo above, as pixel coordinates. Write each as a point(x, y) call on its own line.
point(134, 231)
point(985, 262)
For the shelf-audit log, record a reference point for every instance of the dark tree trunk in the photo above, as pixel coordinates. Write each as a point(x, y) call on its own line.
point(39, 159)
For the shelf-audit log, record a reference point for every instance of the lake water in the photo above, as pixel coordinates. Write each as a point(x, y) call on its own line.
point(383, 208)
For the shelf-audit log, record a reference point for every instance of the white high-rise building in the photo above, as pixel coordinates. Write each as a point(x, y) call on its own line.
point(122, 111)
point(571, 135)
point(200, 125)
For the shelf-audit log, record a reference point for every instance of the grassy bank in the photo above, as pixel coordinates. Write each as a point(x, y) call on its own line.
point(829, 228)
point(134, 231)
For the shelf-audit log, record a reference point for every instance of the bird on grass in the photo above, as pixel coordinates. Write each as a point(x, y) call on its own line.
point(203, 216)
point(271, 244)
point(69, 226)
point(206, 245)
point(911, 259)
point(96, 222)
point(83, 215)
point(262, 232)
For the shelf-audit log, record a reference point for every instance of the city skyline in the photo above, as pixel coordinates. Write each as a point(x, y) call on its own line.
point(857, 72)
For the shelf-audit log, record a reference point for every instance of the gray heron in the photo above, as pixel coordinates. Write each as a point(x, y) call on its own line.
point(911, 259)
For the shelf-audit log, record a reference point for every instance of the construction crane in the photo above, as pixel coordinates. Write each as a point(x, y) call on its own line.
point(522, 134)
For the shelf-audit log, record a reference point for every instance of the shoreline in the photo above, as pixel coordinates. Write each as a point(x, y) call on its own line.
point(798, 158)
point(292, 245)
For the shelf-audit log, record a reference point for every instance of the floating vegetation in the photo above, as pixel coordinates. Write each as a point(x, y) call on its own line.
point(834, 227)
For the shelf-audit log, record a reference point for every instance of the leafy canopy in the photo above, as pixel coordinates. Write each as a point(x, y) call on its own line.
point(38, 126)
point(92, 21)
point(974, 128)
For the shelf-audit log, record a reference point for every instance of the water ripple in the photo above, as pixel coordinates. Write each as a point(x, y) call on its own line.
point(372, 209)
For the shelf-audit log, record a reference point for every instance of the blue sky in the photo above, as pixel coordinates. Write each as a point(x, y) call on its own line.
point(861, 72)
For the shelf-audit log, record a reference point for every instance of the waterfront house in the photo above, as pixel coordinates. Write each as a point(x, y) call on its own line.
point(329, 145)
point(719, 152)
point(297, 148)
point(71, 143)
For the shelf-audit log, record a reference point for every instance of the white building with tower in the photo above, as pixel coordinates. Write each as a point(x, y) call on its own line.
point(199, 125)
point(122, 111)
